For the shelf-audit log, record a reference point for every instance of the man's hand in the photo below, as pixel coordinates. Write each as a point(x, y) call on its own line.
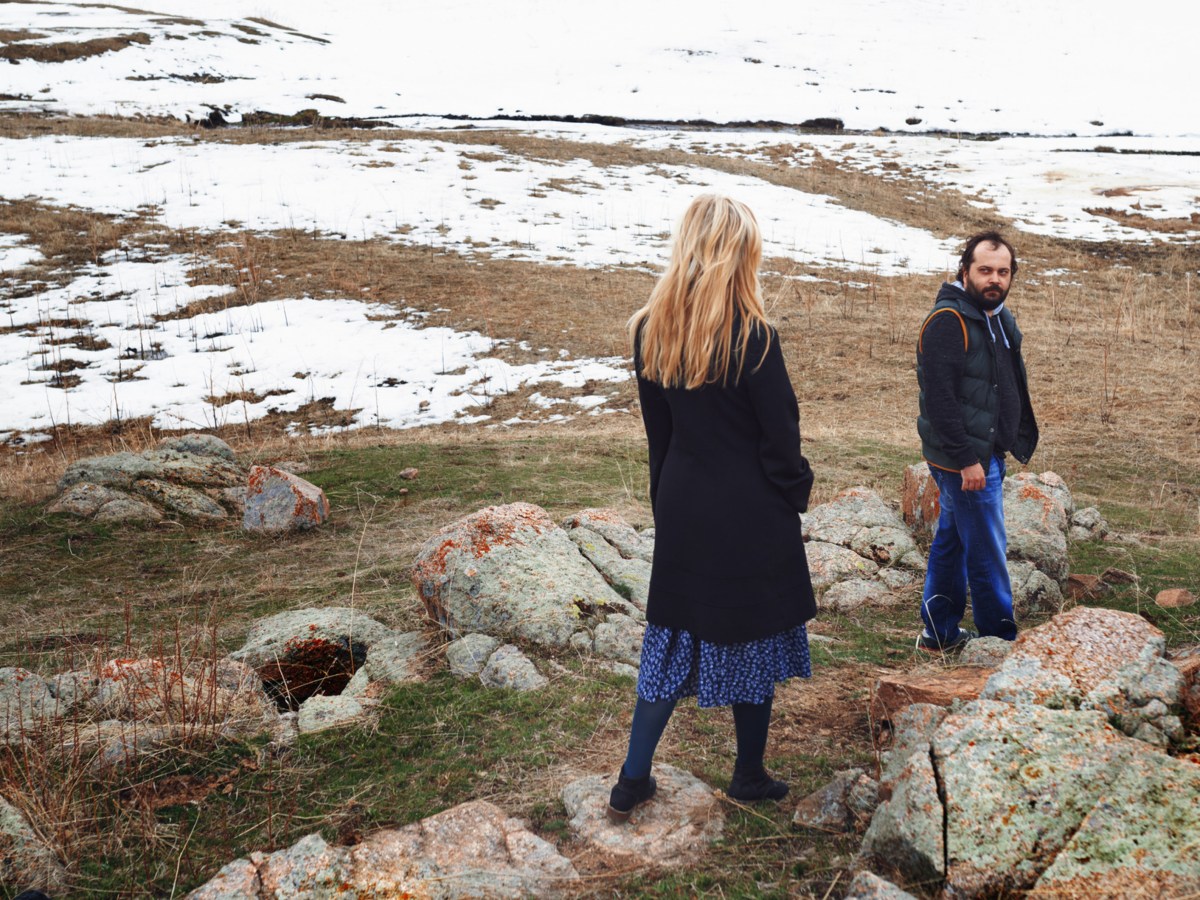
point(973, 478)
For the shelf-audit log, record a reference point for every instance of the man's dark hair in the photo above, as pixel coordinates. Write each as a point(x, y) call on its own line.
point(996, 239)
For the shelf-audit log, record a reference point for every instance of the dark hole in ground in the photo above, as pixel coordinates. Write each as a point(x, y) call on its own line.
point(310, 667)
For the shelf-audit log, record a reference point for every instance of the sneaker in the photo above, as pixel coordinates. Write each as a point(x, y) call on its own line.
point(930, 643)
point(627, 794)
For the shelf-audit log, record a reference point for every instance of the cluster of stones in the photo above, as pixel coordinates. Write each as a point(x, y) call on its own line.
point(1055, 781)
point(1040, 519)
point(510, 575)
point(477, 850)
point(195, 478)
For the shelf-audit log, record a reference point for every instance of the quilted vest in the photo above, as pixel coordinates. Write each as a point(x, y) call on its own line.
point(978, 391)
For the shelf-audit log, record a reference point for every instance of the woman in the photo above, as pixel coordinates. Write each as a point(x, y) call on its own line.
point(730, 589)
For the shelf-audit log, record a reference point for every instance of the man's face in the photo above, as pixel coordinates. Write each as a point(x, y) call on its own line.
point(988, 279)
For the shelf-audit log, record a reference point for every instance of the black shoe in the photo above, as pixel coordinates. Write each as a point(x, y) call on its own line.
point(931, 643)
point(627, 793)
point(752, 785)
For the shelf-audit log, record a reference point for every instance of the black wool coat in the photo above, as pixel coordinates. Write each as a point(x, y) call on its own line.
point(727, 485)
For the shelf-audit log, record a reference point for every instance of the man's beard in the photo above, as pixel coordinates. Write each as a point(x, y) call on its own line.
point(982, 300)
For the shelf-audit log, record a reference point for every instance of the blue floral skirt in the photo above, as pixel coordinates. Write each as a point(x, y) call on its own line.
point(676, 664)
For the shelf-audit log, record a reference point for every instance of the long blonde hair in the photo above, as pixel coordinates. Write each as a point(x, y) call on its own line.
point(685, 330)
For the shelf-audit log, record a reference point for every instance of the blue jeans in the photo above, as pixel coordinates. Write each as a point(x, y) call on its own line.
point(969, 549)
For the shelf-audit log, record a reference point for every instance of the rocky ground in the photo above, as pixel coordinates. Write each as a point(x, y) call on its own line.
point(1061, 765)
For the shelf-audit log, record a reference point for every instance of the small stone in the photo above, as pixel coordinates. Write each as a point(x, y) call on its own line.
point(985, 651)
point(277, 502)
point(1174, 598)
point(469, 654)
point(1118, 576)
point(831, 563)
point(855, 592)
point(896, 577)
point(619, 637)
point(867, 886)
point(672, 829)
point(397, 659)
point(1084, 587)
point(894, 693)
point(829, 808)
point(199, 445)
point(907, 830)
point(320, 712)
point(410, 473)
point(508, 667)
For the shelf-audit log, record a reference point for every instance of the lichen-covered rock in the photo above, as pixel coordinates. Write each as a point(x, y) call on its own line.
point(25, 861)
point(199, 445)
point(73, 691)
point(301, 653)
point(1034, 771)
point(608, 524)
point(177, 498)
point(1142, 698)
point(471, 850)
point(906, 832)
point(1140, 839)
point(510, 572)
point(987, 652)
point(672, 829)
point(1033, 590)
point(166, 692)
point(397, 658)
point(269, 638)
point(1088, 525)
point(855, 592)
point(912, 732)
point(843, 806)
point(1036, 510)
point(469, 654)
point(237, 880)
point(1096, 658)
point(868, 886)
point(919, 501)
point(86, 500)
point(628, 577)
point(830, 563)
point(320, 712)
point(860, 520)
point(121, 470)
point(26, 703)
point(619, 637)
point(185, 477)
point(278, 502)
point(509, 668)
point(897, 578)
point(308, 868)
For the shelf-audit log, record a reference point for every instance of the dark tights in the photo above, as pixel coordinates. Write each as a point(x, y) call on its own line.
point(750, 724)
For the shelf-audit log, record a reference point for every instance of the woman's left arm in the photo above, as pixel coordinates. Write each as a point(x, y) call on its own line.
point(779, 417)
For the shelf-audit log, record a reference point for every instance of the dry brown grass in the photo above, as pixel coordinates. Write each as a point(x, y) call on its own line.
point(69, 50)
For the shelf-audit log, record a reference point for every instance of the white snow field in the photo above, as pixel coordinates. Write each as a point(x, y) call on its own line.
point(110, 330)
point(1086, 67)
point(1105, 151)
point(446, 195)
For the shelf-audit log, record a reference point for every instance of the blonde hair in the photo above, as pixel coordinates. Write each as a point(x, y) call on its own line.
point(685, 330)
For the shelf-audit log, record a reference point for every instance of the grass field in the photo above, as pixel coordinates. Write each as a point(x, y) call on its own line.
point(1112, 359)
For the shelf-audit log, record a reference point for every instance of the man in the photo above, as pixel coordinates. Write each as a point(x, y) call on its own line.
point(974, 408)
